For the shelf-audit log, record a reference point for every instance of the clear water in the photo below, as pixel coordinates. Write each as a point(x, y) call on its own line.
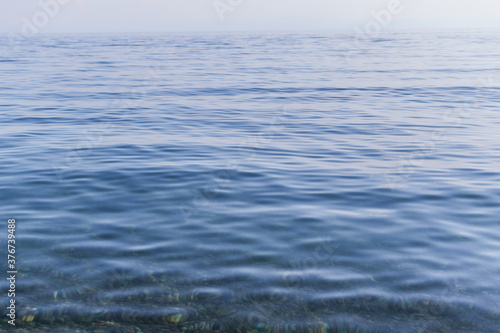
point(253, 182)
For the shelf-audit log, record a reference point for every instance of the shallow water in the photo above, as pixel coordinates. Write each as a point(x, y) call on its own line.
point(253, 182)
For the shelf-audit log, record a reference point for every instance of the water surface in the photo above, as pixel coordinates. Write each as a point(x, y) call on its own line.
point(253, 182)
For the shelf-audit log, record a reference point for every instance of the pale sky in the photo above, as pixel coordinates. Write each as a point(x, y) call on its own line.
point(67, 16)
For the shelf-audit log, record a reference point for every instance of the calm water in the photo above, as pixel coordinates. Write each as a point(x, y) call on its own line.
point(253, 182)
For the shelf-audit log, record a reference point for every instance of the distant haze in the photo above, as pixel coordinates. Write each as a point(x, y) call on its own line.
point(67, 16)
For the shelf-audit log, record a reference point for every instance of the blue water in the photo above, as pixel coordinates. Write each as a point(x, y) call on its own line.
point(252, 182)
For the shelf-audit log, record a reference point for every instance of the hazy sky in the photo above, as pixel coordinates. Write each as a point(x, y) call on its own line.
point(214, 15)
